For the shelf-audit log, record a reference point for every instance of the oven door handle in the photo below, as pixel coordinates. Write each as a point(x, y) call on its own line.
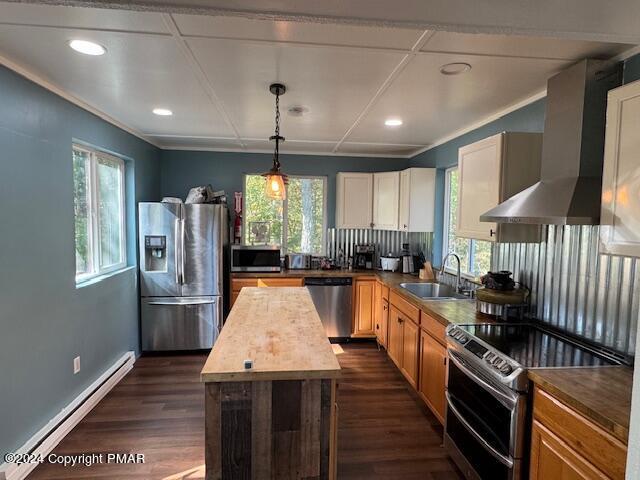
point(494, 453)
point(503, 398)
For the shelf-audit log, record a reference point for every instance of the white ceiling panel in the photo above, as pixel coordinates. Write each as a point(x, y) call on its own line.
point(136, 74)
point(282, 31)
point(379, 149)
point(78, 17)
point(521, 46)
point(433, 105)
point(334, 84)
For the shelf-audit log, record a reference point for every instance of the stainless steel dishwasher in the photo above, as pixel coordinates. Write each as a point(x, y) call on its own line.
point(332, 297)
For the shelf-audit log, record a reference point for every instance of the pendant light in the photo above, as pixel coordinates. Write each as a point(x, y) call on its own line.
point(276, 180)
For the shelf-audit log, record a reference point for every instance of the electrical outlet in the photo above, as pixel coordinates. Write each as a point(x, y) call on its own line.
point(76, 365)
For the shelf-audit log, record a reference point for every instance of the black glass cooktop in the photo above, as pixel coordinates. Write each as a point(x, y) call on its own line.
point(534, 347)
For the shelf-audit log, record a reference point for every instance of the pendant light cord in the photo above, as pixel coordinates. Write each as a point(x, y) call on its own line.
point(276, 155)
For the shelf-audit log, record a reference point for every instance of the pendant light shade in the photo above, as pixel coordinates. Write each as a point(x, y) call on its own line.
point(276, 184)
point(276, 188)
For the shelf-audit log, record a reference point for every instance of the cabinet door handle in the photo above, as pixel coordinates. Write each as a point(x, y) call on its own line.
point(492, 232)
point(444, 361)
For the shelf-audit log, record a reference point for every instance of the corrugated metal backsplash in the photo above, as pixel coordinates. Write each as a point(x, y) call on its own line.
point(575, 288)
point(385, 241)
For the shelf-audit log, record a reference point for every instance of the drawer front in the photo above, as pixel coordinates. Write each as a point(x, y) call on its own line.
point(433, 327)
point(238, 284)
point(281, 282)
point(405, 307)
point(589, 440)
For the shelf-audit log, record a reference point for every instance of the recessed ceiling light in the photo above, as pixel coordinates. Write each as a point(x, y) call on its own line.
point(163, 112)
point(455, 68)
point(87, 48)
point(393, 122)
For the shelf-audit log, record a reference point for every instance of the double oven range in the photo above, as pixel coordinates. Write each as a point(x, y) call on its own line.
point(488, 392)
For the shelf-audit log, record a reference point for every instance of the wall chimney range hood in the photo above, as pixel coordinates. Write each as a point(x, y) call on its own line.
point(570, 185)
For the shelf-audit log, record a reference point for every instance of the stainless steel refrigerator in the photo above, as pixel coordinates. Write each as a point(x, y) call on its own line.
point(182, 274)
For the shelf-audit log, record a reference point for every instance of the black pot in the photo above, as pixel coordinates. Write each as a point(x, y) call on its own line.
point(498, 280)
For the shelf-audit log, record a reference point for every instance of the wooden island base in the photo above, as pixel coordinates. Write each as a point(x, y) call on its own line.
point(270, 429)
point(277, 419)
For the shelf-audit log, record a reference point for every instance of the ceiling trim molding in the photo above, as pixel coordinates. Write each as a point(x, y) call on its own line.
point(481, 123)
point(498, 55)
point(422, 40)
point(53, 88)
point(87, 29)
point(627, 54)
point(290, 140)
point(293, 152)
point(453, 22)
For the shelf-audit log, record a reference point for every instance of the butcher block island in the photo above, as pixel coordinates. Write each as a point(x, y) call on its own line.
point(270, 396)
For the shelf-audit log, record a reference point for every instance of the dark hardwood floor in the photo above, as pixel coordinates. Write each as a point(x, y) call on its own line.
point(385, 432)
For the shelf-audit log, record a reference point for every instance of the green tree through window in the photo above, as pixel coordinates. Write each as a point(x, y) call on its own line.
point(475, 255)
point(298, 224)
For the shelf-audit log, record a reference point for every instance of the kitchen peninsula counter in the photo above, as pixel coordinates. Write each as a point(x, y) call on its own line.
point(276, 419)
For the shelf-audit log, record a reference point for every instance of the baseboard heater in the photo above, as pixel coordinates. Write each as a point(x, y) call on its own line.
point(48, 437)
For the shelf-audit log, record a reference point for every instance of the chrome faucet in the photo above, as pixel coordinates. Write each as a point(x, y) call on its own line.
point(458, 275)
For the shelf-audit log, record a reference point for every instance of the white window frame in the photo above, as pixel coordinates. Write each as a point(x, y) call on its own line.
point(94, 225)
point(446, 226)
point(285, 211)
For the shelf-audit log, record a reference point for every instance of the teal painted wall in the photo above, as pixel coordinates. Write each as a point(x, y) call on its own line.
point(44, 320)
point(182, 170)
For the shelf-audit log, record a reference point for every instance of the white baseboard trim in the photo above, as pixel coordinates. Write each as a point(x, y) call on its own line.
point(49, 436)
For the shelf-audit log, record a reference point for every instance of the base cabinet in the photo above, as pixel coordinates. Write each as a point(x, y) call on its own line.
point(410, 340)
point(363, 322)
point(567, 445)
point(381, 316)
point(403, 341)
point(433, 371)
point(552, 458)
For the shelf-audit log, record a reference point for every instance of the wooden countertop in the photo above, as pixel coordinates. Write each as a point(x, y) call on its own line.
point(280, 330)
point(602, 394)
point(445, 311)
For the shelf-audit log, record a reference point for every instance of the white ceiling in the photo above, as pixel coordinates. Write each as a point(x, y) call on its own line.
point(214, 72)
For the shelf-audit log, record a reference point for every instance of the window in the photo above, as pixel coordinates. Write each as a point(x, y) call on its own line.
point(475, 255)
point(297, 224)
point(98, 201)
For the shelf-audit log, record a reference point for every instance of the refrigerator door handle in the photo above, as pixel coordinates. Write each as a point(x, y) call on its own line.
point(182, 251)
point(176, 246)
point(182, 303)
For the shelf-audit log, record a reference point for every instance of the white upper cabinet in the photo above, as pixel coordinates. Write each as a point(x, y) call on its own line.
point(354, 200)
point(620, 216)
point(386, 193)
point(491, 171)
point(417, 199)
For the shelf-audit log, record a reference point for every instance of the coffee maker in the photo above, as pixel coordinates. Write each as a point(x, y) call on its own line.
point(364, 256)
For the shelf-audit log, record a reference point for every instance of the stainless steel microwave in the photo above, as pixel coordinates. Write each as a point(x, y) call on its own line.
point(254, 258)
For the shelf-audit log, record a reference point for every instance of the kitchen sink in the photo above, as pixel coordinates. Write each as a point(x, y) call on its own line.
point(433, 291)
